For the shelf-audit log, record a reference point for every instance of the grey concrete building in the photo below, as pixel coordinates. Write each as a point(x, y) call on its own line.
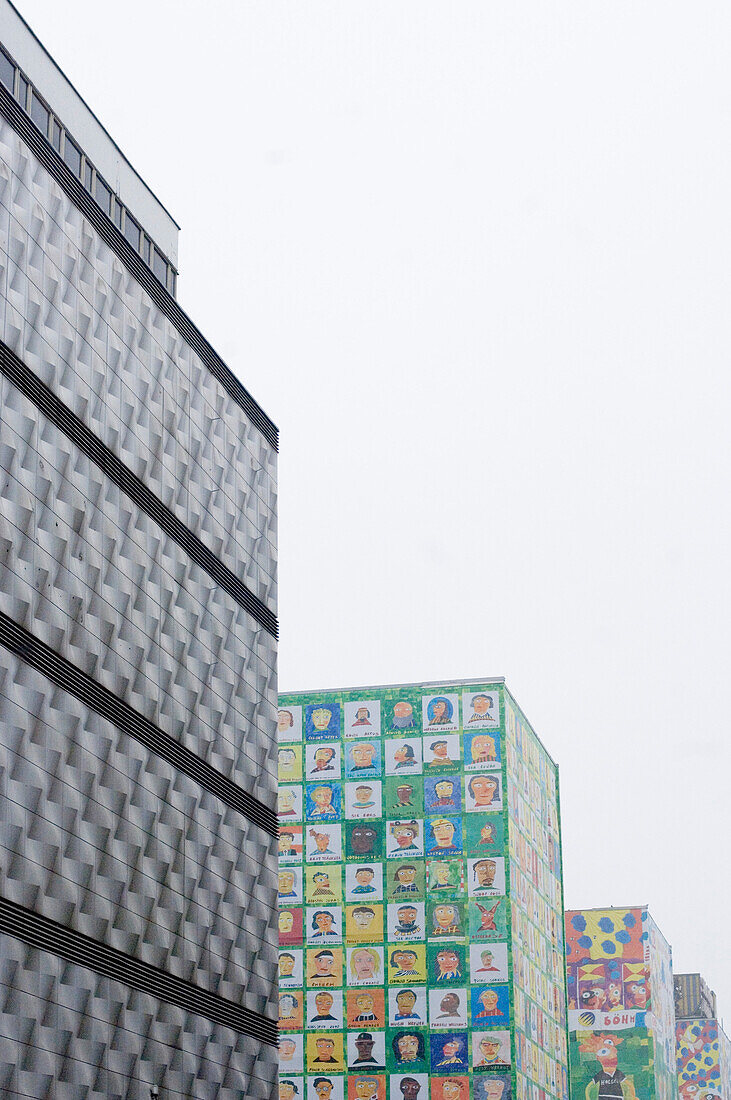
point(137, 639)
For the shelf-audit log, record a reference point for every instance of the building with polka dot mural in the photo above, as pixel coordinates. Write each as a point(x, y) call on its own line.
point(421, 901)
point(621, 1007)
point(703, 1049)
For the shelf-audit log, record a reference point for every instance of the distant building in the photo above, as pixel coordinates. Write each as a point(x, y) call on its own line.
point(421, 927)
point(620, 998)
point(702, 1046)
point(138, 634)
point(693, 998)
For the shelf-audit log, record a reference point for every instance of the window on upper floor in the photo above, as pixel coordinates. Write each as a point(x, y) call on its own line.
point(39, 113)
point(7, 72)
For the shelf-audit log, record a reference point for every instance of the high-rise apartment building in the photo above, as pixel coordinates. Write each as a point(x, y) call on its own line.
point(620, 991)
point(420, 891)
point(703, 1048)
point(137, 639)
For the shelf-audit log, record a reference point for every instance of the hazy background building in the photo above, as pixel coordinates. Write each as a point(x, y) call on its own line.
point(703, 1047)
point(620, 996)
point(420, 892)
point(138, 632)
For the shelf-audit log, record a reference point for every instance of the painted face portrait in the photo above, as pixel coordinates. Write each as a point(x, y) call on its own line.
point(363, 840)
point(484, 790)
point(403, 716)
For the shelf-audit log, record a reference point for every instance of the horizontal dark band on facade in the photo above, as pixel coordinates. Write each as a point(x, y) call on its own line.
point(119, 244)
point(47, 935)
point(16, 371)
point(110, 707)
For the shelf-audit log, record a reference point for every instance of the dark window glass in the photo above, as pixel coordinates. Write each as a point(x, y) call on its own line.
point(171, 280)
point(22, 91)
point(87, 176)
point(103, 195)
point(118, 214)
point(146, 250)
point(72, 156)
point(160, 267)
point(39, 114)
point(56, 135)
point(132, 232)
point(7, 72)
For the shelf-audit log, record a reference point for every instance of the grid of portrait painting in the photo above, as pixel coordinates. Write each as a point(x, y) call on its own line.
point(394, 933)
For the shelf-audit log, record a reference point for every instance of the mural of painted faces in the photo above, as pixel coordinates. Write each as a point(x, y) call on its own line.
point(363, 718)
point(486, 876)
point(481, 751)
point(441, 753)
point(324, 925)
point(403, 838)
point(323, 801)
point(444, 836)
point(362, 841)
point(365, 966)
point(323, 843)
point(364, 881)
point(481, 710)
point(322, 722)
point(449, 1053)
point(363, 800)
point(403, 757)
point(442, 794)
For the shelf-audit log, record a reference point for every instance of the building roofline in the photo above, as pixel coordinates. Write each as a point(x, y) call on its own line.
point(408, 684)
point(96, 118)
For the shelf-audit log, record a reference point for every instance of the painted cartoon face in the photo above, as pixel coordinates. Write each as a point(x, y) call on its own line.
point(441, 874)
point(494, 1088)
point(363, 840)
point(364, 877)
point(485, 872)
point(362, 713)
point(321, 840)
point(404, 960)
point(325, 1047)
point(287, 1048)
point(365, 1088)
point(322, 797)
point(407, 914)
point(404, 794)
point(487, 958)
point(448, 961)
point(403, 710)
point(323, 757)
point(363, 794)
point(324, 1002)
point(406, 999)
point(364, 1002)
point(284, 720)
point(451, 1048)
point(406, 875)
point(286, 882)
point(286, 801)
point(408, 1047)
point(483, 788)
point(287, 758)
point(489, 1049)
point(482, 747)
point(321, 718)
point(614, 990)
point(324, 965)
point(487, 833)
point(323, 1089)
point(324, 922)
point(489, 999)
point(449, 1004)
point(362, 755)
point(364, 964)
point(440, 750)
point(443, 833)
point(451, 1090)
point(285, 841)
point(481, 704)
point(363, 917)
point(405, 836)
point(286, 966)
point(446, 915)
point(286, 921)
point(444, 788)
point(401, 754)
point(410, 1088)
point(439, 708)
point(286, 1090)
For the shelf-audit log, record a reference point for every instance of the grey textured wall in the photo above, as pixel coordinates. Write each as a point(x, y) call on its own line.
point(97, 832)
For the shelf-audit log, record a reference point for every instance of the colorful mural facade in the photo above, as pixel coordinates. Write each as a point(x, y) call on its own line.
point(703, 1060)
point(421, 911)
point(620, 998)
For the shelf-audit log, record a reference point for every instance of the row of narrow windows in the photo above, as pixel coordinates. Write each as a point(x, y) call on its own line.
point(54, 131)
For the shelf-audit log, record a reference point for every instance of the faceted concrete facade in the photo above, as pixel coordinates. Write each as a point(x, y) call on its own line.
point(97, 832)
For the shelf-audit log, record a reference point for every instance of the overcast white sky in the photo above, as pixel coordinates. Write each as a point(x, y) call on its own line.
point(475, 260)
